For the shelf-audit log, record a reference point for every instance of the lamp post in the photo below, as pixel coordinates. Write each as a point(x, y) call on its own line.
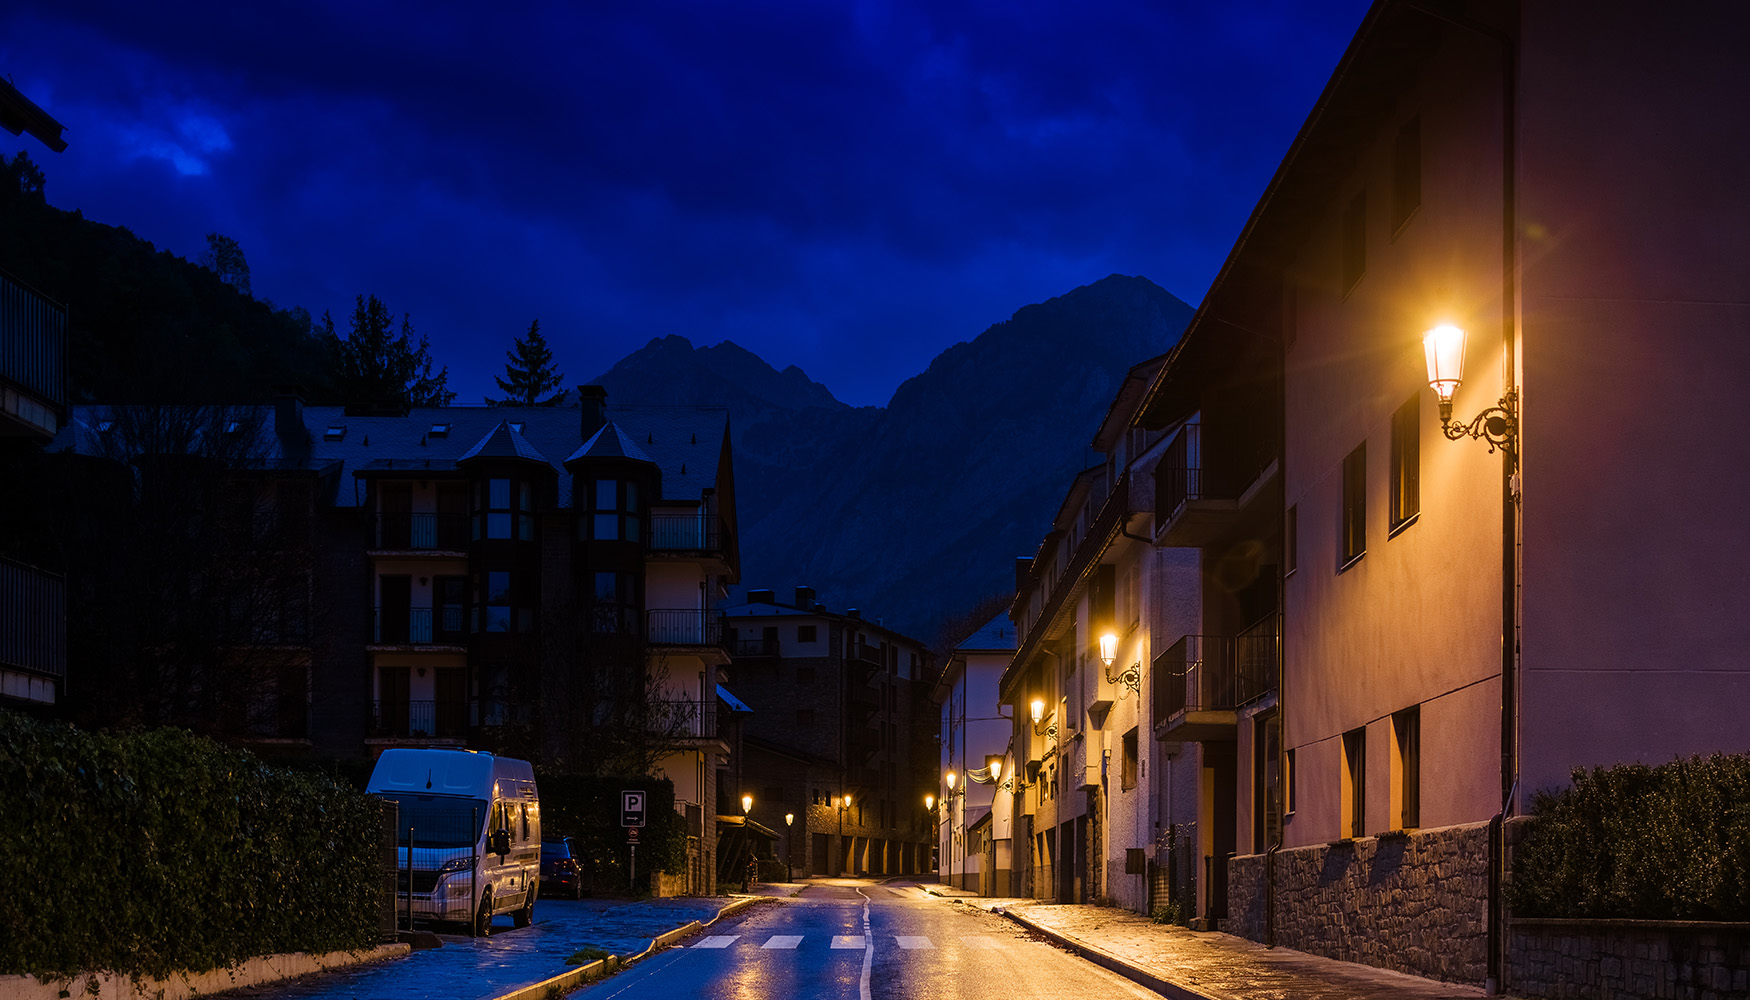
point(747, 838)
point(950, 778)
point(789, 848)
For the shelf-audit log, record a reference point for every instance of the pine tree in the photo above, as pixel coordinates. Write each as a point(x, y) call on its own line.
point(379, 368)
point(529, 373)
point(224, 257)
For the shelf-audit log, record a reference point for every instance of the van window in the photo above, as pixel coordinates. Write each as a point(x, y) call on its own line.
point(524, 809)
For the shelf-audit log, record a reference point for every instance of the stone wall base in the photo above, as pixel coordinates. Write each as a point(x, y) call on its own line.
point(1415, 902)
point(1628, 959)
point(252, 972)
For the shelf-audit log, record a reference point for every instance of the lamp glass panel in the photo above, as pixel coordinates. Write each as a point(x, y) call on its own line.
point(1443, 347)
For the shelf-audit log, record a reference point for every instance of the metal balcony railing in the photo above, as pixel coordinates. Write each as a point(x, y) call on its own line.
point(413, 532)
point(1210, 673)
point(753, 648)
point(685, 533)
point(684, 627)
point(1186, 472)
point(683, 717)
point(33, 619)
point(419, 719)
point(33, 353)
point(419, 626)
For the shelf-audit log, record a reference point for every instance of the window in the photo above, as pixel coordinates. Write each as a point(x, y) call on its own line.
point(1406, 191)
point(614, 512)
point(502, 507)
point(1354, 528)
point(1288, 782)
point(1127, 777)
point(497, 611)
point(806, 633)
point(1406, 732)
point(1355, 782)
point(1291, 539)
point(1406, 462)
point(1354, 242)
point(616, 603)
point(1266, 782)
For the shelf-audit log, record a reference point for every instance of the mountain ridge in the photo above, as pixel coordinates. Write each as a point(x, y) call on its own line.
point(914, 511)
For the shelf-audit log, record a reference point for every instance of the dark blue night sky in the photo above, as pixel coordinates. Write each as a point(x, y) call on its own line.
point(849, 187)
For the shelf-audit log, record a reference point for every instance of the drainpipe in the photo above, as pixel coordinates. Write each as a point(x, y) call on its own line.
point(1270, 895)
point(1509, 472)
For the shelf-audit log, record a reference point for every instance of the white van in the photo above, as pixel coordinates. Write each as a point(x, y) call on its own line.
point(470, 824)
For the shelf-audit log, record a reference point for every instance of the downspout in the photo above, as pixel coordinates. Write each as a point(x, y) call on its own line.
point(1509, 477)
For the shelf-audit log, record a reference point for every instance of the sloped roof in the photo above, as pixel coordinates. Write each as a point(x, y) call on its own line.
point(503, 442)
point(998, 634)
point(609, 442)
point(685, 442)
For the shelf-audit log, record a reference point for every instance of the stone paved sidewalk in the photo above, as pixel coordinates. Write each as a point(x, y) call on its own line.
point(1196, 965)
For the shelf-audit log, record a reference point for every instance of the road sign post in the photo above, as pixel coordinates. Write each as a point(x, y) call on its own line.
point(632, 817)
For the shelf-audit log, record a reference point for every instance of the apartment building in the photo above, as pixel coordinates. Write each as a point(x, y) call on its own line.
point(33, 406)
point(976, 749)
point(533, 581)
point(841, 736)
point(1102, 810)
point(1460, 393)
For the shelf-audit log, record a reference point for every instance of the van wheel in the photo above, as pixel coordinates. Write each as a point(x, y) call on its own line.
point(483, 919)
point(525, 916)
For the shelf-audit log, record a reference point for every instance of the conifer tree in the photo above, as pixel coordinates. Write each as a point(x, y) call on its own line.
point(378, 367)
point(530, 373)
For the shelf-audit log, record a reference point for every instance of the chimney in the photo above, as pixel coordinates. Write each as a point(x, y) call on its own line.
point(805, 597)
point(762, 597)
point(853, 614)
point(288, 414)
point(594, 401)
point(1023, 567)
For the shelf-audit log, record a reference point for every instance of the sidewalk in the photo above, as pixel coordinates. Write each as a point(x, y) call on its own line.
point(1195, 965)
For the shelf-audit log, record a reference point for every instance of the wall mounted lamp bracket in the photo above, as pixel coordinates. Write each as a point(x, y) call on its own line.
point(1498, 425)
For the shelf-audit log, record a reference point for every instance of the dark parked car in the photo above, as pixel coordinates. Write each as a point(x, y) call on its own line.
point(561, 870)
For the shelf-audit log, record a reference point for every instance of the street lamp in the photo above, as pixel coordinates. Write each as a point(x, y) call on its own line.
point(1108, 648)
point(994, 764)
point(1443, 347)
point(746, 804)
point(1049, 732)
point(789, 852)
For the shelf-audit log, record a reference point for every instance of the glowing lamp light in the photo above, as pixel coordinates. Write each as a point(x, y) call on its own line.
point(1038, 710)
point(1444, 348)
point(1108, 648)
point(847, 801)
point(929, 802)
point(996, 768)
point(950, 778)
point(747, 803)
point(789, 819)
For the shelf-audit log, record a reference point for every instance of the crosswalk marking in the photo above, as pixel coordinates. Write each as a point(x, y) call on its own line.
point(850, 942)
point(783, 941)
point(847, 941)
point(980, 941)
point(717, 941)
point(910, 942)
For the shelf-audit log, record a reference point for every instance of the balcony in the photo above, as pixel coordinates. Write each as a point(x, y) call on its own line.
point(685, 627)
point(419, 720)
point(443, 626)
point(33, 362)
point(1201, 682)
point(764, 647)
point(420, 533)
point(33, 632)
point(1198, 496)
point(685, 534)
point(685, 719)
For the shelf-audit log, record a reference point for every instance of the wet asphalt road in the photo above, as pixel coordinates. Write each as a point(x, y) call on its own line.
point(858, 941)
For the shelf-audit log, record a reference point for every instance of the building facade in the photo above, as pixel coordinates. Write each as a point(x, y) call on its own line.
point(977, 749)
point(840, 735)
point(538, 581)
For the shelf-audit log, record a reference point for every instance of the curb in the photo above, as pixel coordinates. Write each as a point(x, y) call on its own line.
point(1111, 963)
point(613, 963)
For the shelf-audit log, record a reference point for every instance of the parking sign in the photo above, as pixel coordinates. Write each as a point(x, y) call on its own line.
point(632, 809)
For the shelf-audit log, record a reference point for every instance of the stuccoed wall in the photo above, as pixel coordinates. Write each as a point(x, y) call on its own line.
point(1416, 903)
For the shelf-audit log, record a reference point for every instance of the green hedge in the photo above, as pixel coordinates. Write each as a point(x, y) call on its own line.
point(153, 852)
point(587, 807)
point(1655, 843)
